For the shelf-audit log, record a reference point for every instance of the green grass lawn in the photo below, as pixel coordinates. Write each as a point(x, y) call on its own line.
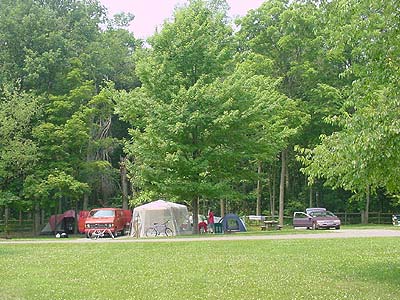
point(264, 269)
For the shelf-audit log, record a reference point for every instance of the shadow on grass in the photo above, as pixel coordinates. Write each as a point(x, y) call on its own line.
point(386, 272)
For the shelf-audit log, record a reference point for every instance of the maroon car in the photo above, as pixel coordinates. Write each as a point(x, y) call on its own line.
point(316, 218)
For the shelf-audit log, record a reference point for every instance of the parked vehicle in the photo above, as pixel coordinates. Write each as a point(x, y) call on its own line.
point(82, 216)
point(316, 218)
point(109, 220)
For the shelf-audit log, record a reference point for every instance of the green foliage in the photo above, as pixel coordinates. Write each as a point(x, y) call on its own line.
point(18, 152)
point(112, 59)
point(49, 34)
point(205, 103)
point(59, 119)
point(55, 186)
point(364, 153)
point(7, 198)
point(196, 126)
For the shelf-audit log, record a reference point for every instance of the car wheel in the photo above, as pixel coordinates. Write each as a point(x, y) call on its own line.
point(337, 227)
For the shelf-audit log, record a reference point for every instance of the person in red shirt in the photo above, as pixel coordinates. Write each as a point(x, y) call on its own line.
point(203, 226)
point(210, 221)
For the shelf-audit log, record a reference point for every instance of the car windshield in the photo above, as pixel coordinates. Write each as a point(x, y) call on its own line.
point(321, 214)
point(102, 213)
point(318, 214)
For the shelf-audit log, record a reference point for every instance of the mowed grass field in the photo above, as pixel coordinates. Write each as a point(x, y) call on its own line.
point(353, 268)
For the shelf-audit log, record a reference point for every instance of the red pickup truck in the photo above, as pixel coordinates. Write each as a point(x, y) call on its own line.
point(114, 220)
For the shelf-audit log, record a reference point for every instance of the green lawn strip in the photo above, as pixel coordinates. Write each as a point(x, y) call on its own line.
point(366, 268)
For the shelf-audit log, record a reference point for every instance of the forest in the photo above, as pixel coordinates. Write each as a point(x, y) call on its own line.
point(294, 105)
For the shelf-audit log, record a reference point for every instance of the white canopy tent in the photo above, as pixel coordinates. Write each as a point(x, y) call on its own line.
point(160, 211)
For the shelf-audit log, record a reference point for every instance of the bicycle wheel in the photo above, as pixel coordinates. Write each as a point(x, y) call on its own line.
point(151, 232)
point(168, 232)
point(94, 235)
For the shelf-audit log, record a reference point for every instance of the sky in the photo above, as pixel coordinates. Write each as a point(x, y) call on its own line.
point(150, 14)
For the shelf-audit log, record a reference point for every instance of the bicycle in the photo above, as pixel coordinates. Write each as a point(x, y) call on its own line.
point(158, 229)
point(99, 233)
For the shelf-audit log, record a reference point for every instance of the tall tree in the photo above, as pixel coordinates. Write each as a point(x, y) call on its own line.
point(200, 118)
point(175, 113)
point(363, 155)
point(287, 33)
point(56, 53)
point(18, 151)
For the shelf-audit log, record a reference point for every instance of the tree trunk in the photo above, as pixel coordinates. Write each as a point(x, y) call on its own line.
point(286, 173)
point(60, 206)
point(311, 197)
point(273, 192)
point(42, 216)
point(366, 212)
point(124, 183)
point(282, 187)
point(76, 216)
point(85, 201)
point(36, 219)
point(259, 189)
point(6, 217)
point(270, 195)
point(195, 206)
point(222, 204)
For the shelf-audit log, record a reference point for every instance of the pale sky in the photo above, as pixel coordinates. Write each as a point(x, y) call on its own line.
point(150, 14)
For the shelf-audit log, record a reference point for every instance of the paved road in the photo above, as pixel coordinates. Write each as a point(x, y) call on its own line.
point(323, 234)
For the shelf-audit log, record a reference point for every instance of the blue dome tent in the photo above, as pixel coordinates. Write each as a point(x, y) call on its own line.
point(232, 222)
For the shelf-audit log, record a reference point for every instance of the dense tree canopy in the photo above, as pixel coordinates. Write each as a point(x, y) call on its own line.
point(363, 156)
point(204, 111)
point(57, 139)
point(204, 115)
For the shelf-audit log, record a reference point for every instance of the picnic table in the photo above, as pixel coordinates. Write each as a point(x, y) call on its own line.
point(270, 225)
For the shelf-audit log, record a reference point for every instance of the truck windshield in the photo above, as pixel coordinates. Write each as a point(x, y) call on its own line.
point(102, 213)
